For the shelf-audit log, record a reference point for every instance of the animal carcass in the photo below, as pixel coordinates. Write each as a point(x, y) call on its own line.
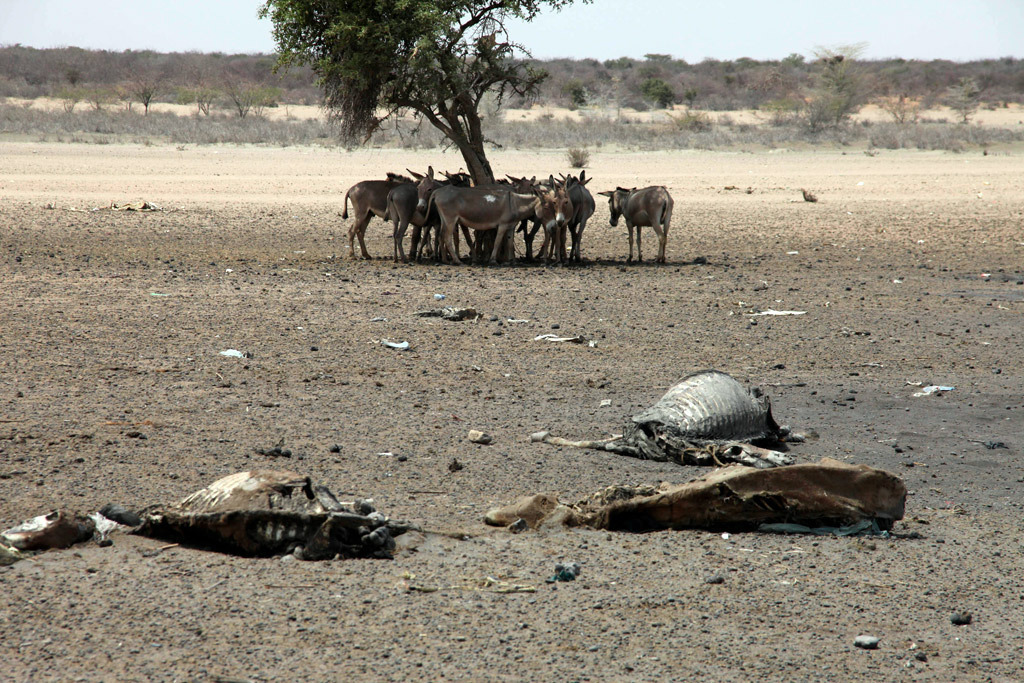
point(270, 512)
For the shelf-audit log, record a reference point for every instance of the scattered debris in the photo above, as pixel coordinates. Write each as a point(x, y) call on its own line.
point(565, 571)
point(269, 512)
point(808, 197)
point(932, 389)
point(439, 297)
point(379, 319)
point(991, 445)
point(866, 642)
point(401, 346)
point(451, 313)
point(555, 338)
point(735, 498)
point(476, 436)
point(454, 465)
point(771, 311)
point(235, 353)
point(539, 436)
point(135, 206)
point(516, 321)
point(707, 418)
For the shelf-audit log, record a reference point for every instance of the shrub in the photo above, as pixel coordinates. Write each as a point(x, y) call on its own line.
point(693, 121)
point(658, 91)
point(579, 157)
point(901, 108)
point(963, 98)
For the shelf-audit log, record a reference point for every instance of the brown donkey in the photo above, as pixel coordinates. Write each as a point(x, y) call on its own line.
point(487, 209)
point(369, 198)
point(649, 206)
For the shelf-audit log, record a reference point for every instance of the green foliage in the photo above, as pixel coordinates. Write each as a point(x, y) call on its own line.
point(70, 97)
point(963, 98)
point(782, 111)
point(658, 91)
point(839, 91)
point(438, 59)
point(794, 60)
point(252, 97)
point(576, 92)
point(620, 63)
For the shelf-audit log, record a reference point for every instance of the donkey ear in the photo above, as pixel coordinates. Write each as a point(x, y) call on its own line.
point(430, 172)
point(607, 193)
point(414, 174)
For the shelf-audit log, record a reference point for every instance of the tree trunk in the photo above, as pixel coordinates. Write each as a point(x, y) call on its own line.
point(470, 139)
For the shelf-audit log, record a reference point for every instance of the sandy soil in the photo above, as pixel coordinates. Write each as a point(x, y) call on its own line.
point(909, 269)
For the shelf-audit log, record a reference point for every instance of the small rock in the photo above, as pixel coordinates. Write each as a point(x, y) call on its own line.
point(866, 642)
point(920, 656)
point(336, 448)
point(476, 436)
point(961, 618)
point(454, 465)
point(539, 436)
point(714, 579)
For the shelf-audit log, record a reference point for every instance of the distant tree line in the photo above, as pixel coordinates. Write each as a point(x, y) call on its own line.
point(796, 85)
point(241, 83)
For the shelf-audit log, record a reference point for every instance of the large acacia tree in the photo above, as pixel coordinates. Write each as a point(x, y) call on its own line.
point(437, 58)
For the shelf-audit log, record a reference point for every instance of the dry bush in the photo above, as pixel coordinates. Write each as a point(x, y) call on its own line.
point(693, 121)
point(117, 126)
point(578, 157)
point(901, 108)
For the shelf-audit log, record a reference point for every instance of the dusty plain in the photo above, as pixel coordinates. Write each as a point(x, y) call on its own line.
point(909, 268)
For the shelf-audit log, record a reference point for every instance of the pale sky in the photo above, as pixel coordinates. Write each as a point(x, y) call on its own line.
point(692, 30)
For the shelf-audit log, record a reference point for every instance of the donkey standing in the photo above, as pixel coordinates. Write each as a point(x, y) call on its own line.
point(369, 198)
point(649, 206)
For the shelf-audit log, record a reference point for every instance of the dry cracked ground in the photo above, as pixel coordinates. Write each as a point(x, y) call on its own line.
point(908, 271)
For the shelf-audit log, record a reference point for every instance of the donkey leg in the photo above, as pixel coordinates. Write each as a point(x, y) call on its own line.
point(356, 231)
point(499, 240)
point(639, 248)
point(577, 242)
point(629, 231)
point(666, 219)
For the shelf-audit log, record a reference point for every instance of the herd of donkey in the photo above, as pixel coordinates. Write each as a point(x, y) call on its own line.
point(561, 206)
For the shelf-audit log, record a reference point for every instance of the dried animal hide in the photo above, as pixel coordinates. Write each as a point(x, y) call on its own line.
point(269, 512)
point(58, 529)
point(707, 418)
point(826, 493)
